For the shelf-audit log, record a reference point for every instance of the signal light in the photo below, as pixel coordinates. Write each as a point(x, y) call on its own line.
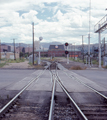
point(66, 44)
point(66, 52)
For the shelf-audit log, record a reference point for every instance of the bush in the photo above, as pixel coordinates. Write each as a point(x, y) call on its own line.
point(77, 68)
point(106, 67)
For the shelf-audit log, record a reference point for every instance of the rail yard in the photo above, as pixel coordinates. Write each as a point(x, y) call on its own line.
point(54, 93)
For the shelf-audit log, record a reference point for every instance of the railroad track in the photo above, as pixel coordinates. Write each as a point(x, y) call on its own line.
point(91, 111)
point(13, 105)
point(64, 111)
point(61, 106)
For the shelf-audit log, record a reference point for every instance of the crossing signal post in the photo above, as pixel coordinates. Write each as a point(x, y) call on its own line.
point(67, 52)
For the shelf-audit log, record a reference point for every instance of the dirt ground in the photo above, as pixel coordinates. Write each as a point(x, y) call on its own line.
point(73, 65)
point(18, 65)
point(63, 61)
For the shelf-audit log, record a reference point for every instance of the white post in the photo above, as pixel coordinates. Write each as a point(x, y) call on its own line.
point(67, 56)
point(86, 60)
point(39, 57)
point(39, 54)
point(99, 49)
point(40, 38)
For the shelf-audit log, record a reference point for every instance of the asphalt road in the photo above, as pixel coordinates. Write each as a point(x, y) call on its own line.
point(9, 76)
point(98, 76)
point(15, 80)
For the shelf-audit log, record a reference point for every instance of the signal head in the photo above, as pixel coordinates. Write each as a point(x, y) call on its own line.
point(66, 52)
point(66, 44)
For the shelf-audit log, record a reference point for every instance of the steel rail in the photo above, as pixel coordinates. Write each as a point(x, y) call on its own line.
point(52, 99)
point(96, 91)
point(4, 109)
point(78, 110)
point(77, 79)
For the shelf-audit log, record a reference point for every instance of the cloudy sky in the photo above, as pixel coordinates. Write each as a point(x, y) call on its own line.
point(55, 20)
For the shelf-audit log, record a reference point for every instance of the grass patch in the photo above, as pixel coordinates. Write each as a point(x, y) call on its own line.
point(78, 59)
point(2, 64)
point(95, 62)
point(15, 61)
point(106, 67)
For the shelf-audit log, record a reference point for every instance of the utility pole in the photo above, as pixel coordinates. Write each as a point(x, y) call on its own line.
point(89, 34)
point(14, 49)
point(33, 40)
point(0, 49)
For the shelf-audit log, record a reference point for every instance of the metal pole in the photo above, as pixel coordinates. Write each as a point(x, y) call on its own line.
point(99, 49)
point(28, 50)
point(83, 47)
point(14, 49)
point(89, 50)
point(67, 56)
point(89, 34)
point(19, 52)
point(86, 60)
point(104, 47)
point(33, 41)
point(74, 51)
point(0, 49)
point(39, 54)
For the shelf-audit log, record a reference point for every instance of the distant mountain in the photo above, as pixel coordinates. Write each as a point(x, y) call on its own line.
point(17, 44)
point(44, 44)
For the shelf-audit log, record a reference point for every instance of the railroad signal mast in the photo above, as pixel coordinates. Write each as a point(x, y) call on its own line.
point(99, 28)
point(67, 52)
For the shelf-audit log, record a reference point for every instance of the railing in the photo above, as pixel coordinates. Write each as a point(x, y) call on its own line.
point(100, 24)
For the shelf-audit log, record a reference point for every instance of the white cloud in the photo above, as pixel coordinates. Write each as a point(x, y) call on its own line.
point(67, 20)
